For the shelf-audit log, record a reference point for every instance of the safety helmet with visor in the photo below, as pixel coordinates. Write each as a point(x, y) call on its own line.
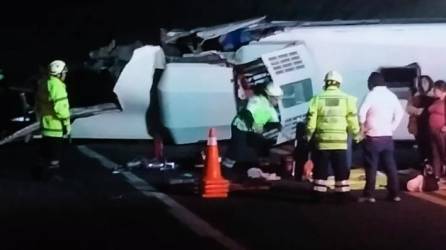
point(333, 78)
point(274, 93)
point(57, 67)
point(273, 90)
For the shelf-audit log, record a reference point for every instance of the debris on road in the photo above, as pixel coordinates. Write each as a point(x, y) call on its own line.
point(256, 173)
point(143, 163)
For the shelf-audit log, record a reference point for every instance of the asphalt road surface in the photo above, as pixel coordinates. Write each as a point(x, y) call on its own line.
point(87, 204)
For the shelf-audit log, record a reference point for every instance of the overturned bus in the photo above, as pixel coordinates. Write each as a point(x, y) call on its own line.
point(198, 79)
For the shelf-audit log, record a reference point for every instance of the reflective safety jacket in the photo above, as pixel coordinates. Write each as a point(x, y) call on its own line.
point(257, 113)
point(52, 108)
point(331, 116)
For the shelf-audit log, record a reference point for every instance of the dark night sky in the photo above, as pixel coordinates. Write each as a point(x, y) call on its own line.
point(34, 33)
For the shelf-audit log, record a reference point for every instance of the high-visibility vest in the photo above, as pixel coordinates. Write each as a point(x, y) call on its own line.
point(52, 107)
point(262, 112)
point(331, 116)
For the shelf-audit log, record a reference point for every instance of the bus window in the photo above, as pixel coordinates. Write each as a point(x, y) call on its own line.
point(296, 93)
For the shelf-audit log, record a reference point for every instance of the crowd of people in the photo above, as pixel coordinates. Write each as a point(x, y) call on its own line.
point(427, 123)
point(333, 118)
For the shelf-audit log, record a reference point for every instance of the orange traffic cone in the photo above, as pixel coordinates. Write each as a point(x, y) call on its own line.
point(214, 185)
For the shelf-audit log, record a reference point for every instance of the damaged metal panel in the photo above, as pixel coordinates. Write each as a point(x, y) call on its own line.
point(211, 57)
point(217, 31)
point(75, 114)
point(225, 37)
point(133, 92)
point(112, 57)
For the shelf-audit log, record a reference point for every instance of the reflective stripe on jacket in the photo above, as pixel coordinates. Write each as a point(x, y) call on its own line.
point(331, 116)
point(53, 108)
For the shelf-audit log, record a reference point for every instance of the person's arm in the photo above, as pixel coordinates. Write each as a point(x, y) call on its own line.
point(247, 117)
point(253, 107)
point(412, 107)
point(352, 118)
point(312, 118)
point(365, 106)
point(274, 121)
point(443, 129)
point(58, 95)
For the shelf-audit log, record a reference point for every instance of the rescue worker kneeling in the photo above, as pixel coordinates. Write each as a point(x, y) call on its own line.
point(53, 112)
point(250, 127)
point(332, 115)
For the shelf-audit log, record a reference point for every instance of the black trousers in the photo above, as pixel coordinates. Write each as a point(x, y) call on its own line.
point(438, 142)
point(51, 149)
point(337, 159)
point(374, 149)
point(246, 147)
point(423, 140)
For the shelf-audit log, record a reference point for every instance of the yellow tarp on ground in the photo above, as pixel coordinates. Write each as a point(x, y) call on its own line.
point(357, 180)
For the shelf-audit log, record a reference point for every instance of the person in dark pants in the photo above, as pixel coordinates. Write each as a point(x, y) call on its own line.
point(332, 116)
point(417, 108)
point(248, 140)
point(379, 115)
point(53, 113)
point(437, 125)
point(376, 148)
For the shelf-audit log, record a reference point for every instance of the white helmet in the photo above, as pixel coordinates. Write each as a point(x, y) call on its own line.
point(57, 67)
point(273, 90)
point(333, 76)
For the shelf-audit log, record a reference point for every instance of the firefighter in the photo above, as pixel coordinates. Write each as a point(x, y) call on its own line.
point(53, 112)
point(332, 115)
point(249, 126)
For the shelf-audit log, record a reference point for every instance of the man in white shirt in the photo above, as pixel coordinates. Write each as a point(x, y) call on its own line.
point(379, 115)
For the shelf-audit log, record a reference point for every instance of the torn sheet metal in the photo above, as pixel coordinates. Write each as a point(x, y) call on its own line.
point(225, 37)
point(219, 30)
point(133, 92)
point(171, 37)
point(144, 163)
point(112, 57)
point(135, 81)
point(28, 130)
point(210, 57)
point(206, 33)
point(75, 113)
point(231, 37)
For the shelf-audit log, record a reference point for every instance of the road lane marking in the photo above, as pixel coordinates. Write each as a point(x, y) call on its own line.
point(185, 216)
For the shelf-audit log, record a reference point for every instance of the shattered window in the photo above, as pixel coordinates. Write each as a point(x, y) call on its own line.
point(296, 93)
